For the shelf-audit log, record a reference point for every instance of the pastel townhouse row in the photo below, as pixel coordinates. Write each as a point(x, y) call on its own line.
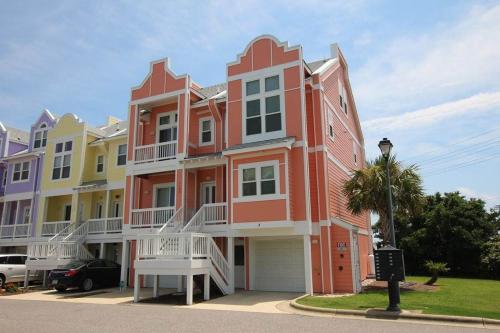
point(240, 183)
point(21, 164)
point(82, 191)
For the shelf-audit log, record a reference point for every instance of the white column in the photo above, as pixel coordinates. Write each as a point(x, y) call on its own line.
point(230, 259)
point(307, 264)
point(26, 280)
point(4, 212)
point(136, 287)
point(125, 262)
point(206, 287)
point(155, 285)
point(189, 289)
point(17, 212)
point(179, 283)
point(102, 251)
point(45, 278)
point(106, 207)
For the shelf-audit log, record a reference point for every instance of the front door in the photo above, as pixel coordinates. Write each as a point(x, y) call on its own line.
point(164, 197)
point(207, 193)
point(67, 213)
point(239, 265)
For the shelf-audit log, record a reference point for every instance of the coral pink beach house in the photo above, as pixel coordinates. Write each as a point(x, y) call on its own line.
point(238, 185)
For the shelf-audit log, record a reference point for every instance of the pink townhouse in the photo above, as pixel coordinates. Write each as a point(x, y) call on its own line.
point(239, 185)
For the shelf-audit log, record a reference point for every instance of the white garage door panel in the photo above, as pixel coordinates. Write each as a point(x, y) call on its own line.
point(279, 265)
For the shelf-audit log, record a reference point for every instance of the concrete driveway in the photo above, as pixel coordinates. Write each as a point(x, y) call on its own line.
point(246, 301)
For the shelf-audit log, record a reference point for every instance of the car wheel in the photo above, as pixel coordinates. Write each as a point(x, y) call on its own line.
point(87, 284)
point(61, 289)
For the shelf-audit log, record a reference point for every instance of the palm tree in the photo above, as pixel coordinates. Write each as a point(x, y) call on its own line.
point(367, 191)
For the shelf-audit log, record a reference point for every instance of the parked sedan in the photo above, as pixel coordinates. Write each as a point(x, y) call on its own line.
point(13, 269)
point(86, 275)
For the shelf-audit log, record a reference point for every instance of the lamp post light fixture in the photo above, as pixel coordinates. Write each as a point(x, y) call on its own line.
point(393, 286)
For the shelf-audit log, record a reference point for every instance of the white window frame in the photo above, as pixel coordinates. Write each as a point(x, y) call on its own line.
point(62, 154)
point(97, 164)
point(43, 131)
point(258, 179)
point(21, 170)
point(118, 155)
point(171, 125)
point(330, 129)
point(261, 76)
point(200, 131)
point(115, 205)
point(4, 178)
point(163, 185)
point(26, 214)
point(355, 157)
point(342, 93)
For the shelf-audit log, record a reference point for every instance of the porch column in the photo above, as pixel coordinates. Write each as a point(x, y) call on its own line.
point(4, 212)
point(124, 263)
point(155, 285)
point(136, 287)
point(75, 207)
point(206, 287)
point(230, 260)
point(106, 207)
point(26, 274)
point(307, 264)
point(102, 251)
point(18, 203)
point(189, 289)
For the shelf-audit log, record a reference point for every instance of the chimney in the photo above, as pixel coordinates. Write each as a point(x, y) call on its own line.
point(112, 121)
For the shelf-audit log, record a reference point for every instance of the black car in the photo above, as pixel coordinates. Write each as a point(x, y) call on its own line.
point(86, 275)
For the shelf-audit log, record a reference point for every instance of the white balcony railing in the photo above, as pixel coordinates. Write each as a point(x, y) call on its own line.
point(155, 152)
point(58, 250)
point(151, 217)
point(208, 214)
point(15, 230)
point(108, 225)
point(173, 246)
point(53, 228)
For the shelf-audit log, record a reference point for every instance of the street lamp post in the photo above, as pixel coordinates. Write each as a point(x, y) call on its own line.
point(393, 286)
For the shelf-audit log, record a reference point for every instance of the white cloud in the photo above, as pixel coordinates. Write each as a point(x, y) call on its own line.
point(449, 62)
point(484, 102)
point(490, 199)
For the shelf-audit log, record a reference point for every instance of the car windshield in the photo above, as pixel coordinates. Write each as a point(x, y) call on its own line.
point(74, 264)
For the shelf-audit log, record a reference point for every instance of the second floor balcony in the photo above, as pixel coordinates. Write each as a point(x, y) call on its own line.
point(155, 152)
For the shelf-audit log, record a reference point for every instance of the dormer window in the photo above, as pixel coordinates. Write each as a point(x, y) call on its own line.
point(263, 114)
point(40, 137)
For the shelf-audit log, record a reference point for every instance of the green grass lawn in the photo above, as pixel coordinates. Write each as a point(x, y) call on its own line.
point(455, 297)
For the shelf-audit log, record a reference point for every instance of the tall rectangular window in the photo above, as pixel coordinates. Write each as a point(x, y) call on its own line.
point(167, 127)
point(121, 158)
point(26, 215)
point(40, 137)
point(263, 102)
point(21, 172)
point(206, 131)
point(100, 164)
point(62, 160)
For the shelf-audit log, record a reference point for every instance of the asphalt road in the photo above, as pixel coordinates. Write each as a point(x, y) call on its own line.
point(39, 316)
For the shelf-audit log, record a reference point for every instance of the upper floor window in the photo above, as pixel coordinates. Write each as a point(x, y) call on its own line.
point(342, 97)
point(206, 131)
point(167, 127)
point(121, 158)
point(40, 137)
point(354, 153)
point(100, 164)
point(62, 160)
point(21, 172)
point(263, 107)
point(331, 132)
point(259, 179)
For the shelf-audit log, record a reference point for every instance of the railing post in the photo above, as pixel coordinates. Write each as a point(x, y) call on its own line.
point(191, 245)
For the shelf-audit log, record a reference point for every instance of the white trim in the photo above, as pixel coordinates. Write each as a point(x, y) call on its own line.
point(200, 131)
point(18, 196)
point(346, 127)
point(261, 97)
point(323, 68)
point(118, 155)
point(258, 181)
point(285, 144)
point(339, 164)
point(267, 197)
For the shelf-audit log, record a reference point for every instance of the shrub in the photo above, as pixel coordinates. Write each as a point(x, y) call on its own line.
point(435, 268)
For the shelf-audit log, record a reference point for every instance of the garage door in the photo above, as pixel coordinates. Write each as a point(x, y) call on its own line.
point(279, 265)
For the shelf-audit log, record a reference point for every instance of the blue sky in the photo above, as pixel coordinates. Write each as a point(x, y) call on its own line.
point(425, 74)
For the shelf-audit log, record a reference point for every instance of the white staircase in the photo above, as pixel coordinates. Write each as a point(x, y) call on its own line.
point(65, 246)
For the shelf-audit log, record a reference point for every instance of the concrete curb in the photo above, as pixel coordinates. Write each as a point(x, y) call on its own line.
point(382, 314)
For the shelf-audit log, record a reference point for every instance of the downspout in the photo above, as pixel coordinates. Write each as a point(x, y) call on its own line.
point(35, 182)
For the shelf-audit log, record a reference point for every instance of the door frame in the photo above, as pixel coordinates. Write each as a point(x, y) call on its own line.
point(241, 242)
point(158, 186)
point(202, 185)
